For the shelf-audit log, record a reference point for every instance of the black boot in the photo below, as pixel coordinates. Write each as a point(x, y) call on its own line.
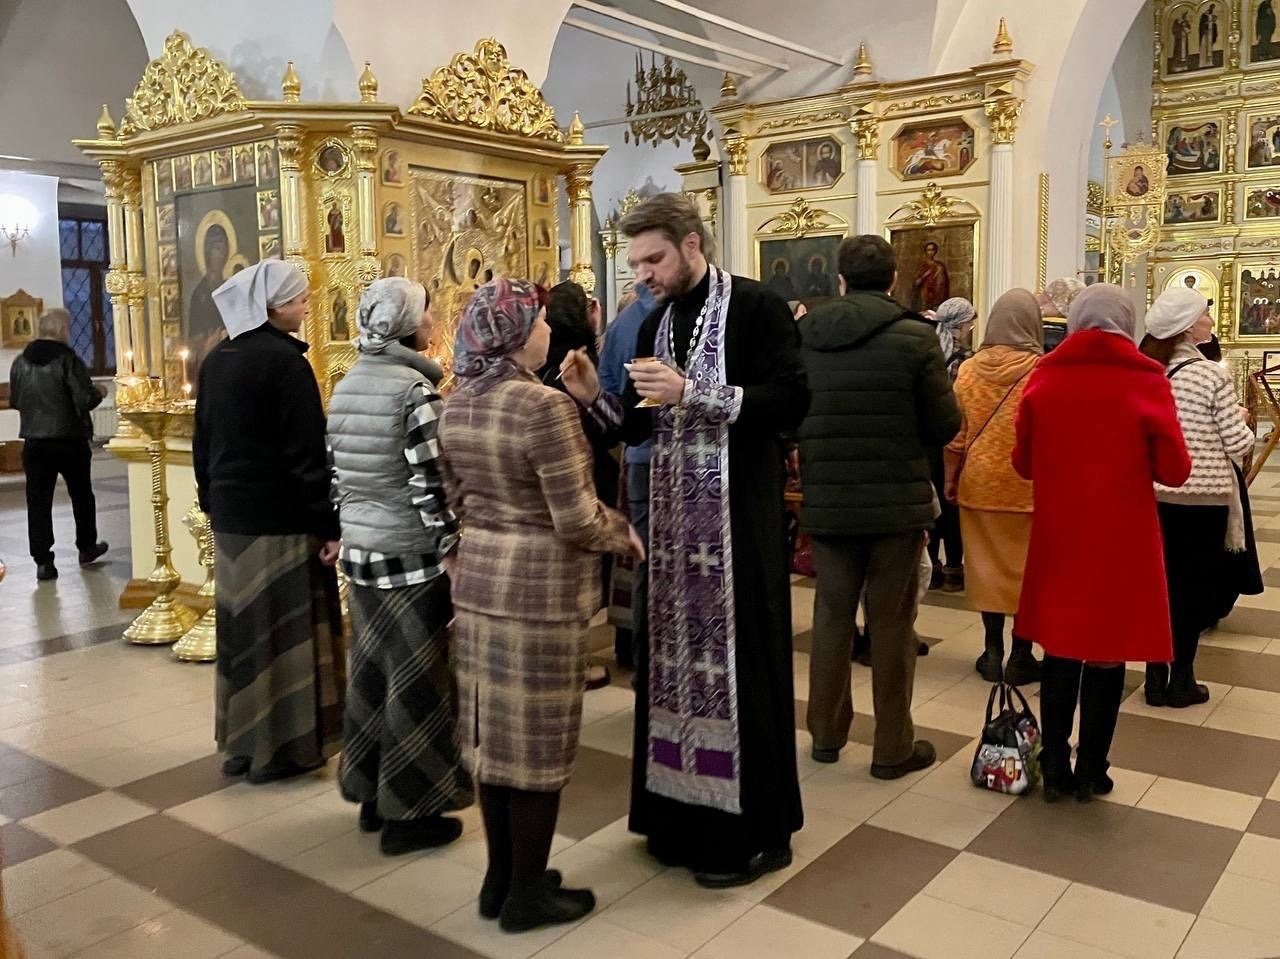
point(1101, 692)
point(1156, 688)
point(861, 647)
point(990, 663)
point(1183, 690)
point(1023, 668)
point(400, 836)
point(370, 821)
point(1059, 693)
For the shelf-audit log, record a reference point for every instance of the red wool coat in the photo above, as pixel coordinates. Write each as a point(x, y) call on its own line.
point(1096, 425)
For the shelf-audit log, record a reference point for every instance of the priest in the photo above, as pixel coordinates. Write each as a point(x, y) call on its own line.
point(717, 379)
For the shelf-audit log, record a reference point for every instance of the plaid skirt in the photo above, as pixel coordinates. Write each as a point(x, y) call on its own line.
point(281, 664)
point(520, 687)
point(401, 723)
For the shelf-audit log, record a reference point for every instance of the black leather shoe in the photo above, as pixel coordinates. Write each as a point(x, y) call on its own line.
point(825, 755)
point(546, 907)
point(370, 821)
point(90, 556)
point(274, 771)
point(400, 836)
point(46, 572)
point(922, 757)
point(236, 766)
point(1023, 668)
point(1155, 688)
point(861, 652)
point(493, 893)
point(770, 860)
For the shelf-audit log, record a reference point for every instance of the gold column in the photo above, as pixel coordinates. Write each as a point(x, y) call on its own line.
point(165, 620)
point(148, 352)
point(289, 147)
point(1042, 236)
point(578, 181)
point(365, 140)
point(1226, 302)
point(200, 645)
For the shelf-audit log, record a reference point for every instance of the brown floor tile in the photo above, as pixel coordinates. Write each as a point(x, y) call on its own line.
point(1271, 577)
point(1266, 821)
point(1267, 535)
point(871, 950)
point(173, 787)
point(300, 918)
point(17, 767)
point(129, 847)
point(802, 642)
point(1133, 852)
point(1210, 757)
point(860, 883)
point(52, 787)
point(1251, 621)
point(598, 793)
point(202, 869)
point(936, 597)
point(61, 644)
point(863, 729)
point(1237, 667)
point(18, 845)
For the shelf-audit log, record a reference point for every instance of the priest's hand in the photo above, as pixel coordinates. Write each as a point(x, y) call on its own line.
point(657, 381)
point(329, 552)
point(580, 377)
point(637, 545)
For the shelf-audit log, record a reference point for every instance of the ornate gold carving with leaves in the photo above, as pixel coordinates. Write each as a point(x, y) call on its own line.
point(801, 218)
point(866, 135)
point(364, 140)
point(289, 146)
point(935, 102)
point(183, 85)
point(483, 90)
point(629, 202)
point(735, 150)
point(584, 276)
point(1095, 197)
point(932, 206)
point(578, 183)
point(804, 119)
point(1003, 115)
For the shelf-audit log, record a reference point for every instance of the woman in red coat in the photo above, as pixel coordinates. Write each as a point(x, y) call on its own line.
point(1096, 426)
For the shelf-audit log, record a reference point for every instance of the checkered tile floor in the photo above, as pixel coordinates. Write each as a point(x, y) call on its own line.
point(121, 839)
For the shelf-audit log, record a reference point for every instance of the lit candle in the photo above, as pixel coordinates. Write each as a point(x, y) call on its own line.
point(186, 390)
point(128, 358)
point(185, 354)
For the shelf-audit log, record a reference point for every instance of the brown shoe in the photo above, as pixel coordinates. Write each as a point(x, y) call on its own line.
point(953, 579)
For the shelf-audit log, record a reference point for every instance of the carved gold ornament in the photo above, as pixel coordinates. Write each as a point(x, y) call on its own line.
point(483, 90)
point(1003, 114)
point(800, 218)
point(735, 148)
point(804, 119)
point(935, 102)
point(629, 202)
point(932, 206)
point(184, 85)
point(866, 135)
point(862, 68)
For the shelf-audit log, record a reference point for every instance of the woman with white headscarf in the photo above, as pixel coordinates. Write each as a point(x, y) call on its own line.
point(1096, 427)
point(954, 324)
point(1207, 539)
point(263, 477)
point(400, 760)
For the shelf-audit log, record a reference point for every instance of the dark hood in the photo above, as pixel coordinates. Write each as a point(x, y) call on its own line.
point(44, 352)
point(840, 323)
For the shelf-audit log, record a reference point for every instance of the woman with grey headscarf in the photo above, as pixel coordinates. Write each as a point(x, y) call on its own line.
point(954, 323)
point(263, 479)
point(1096, 428)
point(401, 757)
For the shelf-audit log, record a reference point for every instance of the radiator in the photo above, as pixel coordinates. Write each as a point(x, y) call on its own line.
point(105, 418)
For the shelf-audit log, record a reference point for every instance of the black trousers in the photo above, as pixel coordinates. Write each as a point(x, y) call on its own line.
point(44, 461)
point(946, 532)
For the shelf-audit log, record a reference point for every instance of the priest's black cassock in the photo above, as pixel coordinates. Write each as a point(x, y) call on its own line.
point(761, 356)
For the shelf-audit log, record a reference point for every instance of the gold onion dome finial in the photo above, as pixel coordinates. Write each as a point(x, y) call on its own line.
point(368, 85)
point(862, 66)
point(729, 87)
point(291, 86)
point(1003, 46)
point(106, 125)
point(577, 132)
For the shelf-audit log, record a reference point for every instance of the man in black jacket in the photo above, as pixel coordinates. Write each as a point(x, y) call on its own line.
point(50, 388)
point(881, 400)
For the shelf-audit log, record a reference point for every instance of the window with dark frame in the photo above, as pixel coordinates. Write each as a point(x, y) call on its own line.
point(83, 239)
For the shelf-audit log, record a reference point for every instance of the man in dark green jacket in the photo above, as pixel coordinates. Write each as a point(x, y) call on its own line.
point(881, 399)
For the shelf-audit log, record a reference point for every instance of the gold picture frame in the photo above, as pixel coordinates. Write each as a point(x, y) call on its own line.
point(800, 267)
point(921, 287)
point(796, 166)
point(20, 311)
point(1193, 147)
point(1254, 317)
point(336, 226)
point(333, 159)
point(927, 149)
point(1193, 207)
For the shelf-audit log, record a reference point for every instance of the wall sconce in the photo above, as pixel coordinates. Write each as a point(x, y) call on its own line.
point(17, 217)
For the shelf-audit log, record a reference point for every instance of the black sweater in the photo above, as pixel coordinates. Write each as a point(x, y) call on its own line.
point(259, 448)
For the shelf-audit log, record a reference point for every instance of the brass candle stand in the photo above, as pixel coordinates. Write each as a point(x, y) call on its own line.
point(165, 620)
point(200, 645)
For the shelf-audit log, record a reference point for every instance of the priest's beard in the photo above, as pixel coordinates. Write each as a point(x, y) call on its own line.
point(679, 286)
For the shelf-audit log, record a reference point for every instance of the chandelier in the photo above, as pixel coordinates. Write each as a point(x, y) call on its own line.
point(666, 106)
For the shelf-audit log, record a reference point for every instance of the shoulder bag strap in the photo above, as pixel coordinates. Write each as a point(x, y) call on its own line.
point(964, 455)
point(1183, 365)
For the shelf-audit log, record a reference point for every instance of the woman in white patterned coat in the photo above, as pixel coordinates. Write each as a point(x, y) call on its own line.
point(1209, 553)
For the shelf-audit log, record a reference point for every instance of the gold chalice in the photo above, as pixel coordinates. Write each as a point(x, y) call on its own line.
point(647, 403)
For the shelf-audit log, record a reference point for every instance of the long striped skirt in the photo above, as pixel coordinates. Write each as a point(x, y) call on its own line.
point(402, 704)
point(281, 662)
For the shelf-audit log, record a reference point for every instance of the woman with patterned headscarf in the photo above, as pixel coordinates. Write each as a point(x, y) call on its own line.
point(1096, 430)
point(401, 758)
point(518, 471)
point(263, 478)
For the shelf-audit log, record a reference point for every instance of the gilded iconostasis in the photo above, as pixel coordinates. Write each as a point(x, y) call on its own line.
point(1217, 117)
